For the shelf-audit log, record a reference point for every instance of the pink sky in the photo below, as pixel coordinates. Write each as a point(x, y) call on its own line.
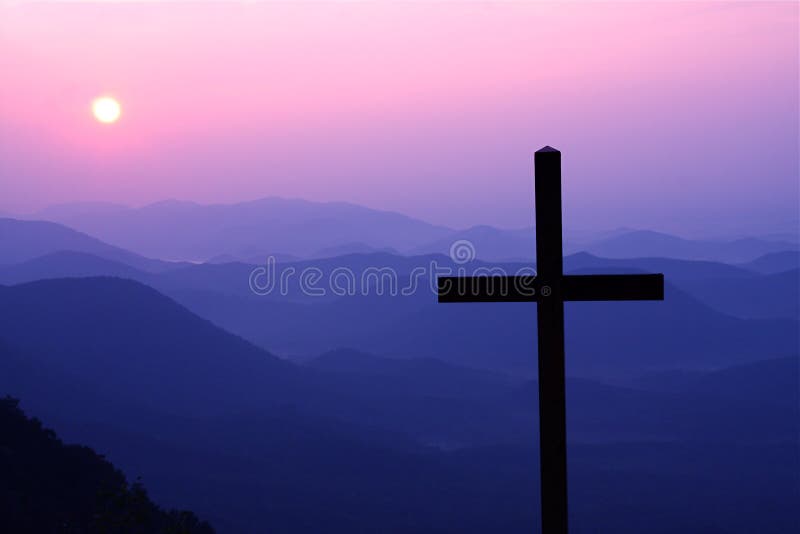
point(677, 116)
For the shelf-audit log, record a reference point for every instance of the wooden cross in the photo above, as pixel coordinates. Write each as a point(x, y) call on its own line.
point(549, 289)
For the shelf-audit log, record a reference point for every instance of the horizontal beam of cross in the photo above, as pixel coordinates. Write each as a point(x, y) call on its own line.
point(592, 287)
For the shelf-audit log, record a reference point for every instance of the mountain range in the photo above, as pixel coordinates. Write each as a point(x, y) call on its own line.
point(258, 228)
point(349, 440)
point(370, 410)
point(754, 314)
point(293, 228)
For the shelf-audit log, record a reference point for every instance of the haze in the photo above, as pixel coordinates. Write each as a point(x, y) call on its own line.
point(681, 117)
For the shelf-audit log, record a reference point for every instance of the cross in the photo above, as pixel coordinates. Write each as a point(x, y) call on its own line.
point(549, 289)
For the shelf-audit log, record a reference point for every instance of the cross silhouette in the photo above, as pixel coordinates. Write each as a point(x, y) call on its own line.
point(549, 289)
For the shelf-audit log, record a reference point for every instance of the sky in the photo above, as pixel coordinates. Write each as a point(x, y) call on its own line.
point(677, 116)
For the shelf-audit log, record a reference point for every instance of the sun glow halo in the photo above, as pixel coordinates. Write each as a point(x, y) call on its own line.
point(106, 109)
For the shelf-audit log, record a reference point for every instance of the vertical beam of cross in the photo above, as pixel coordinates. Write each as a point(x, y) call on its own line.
point(550, 319)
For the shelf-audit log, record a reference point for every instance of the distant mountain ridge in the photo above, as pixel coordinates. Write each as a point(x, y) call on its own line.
point(775, 262)
point(487, 243)
point(177, 230)
point(244, 231)
point(185, 230)
point(23, 240)
point(646, 243)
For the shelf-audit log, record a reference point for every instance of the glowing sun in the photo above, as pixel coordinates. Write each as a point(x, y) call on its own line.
point(106, 109)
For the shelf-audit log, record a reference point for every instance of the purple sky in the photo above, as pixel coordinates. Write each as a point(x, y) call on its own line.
point(680, 117)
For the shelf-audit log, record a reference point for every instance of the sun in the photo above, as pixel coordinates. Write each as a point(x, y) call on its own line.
point(106, 109)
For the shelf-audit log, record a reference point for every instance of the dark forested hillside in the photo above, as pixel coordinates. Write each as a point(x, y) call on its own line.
point(47, 486)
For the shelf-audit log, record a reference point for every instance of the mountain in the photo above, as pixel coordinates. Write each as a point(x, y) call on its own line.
point(350, 248)
point(767, 296)
point(674, 270)
point(485, 243)
point(258, 259)
point(643, 243)
point(188, 231)
point(773, 381)
point(733, 290)
point(48, 486)
point(22, 240)
point(761, 396)
point(207, 370)
point(419, 377)
point(68, 264)
point(774, 262)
